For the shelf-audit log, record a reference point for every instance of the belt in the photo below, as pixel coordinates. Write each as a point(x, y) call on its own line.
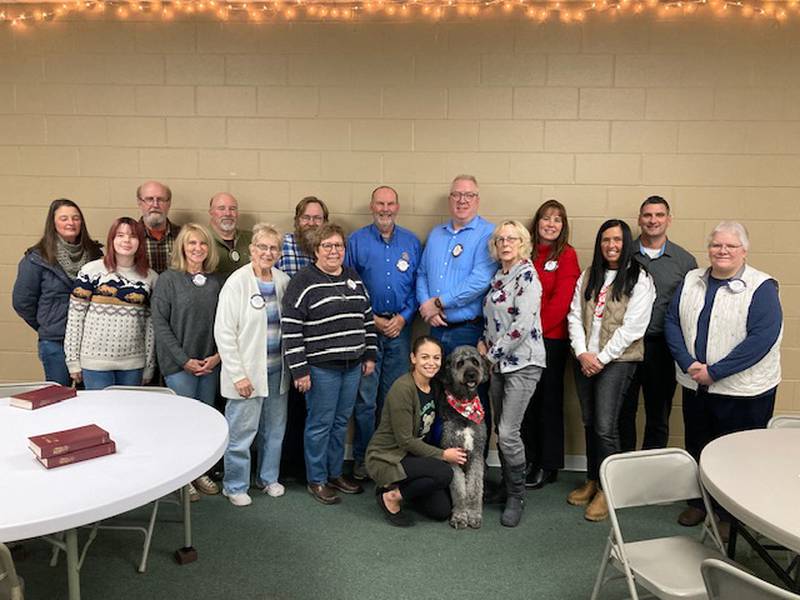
point(475, 321)
point(385, 315)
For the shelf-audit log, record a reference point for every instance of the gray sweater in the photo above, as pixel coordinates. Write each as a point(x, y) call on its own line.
point(183, 319)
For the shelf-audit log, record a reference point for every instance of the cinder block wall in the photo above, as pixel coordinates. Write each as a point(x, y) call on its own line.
point(598, 115)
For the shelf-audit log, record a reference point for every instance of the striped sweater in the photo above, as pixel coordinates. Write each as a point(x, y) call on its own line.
point(325, 319)
point(108, 323)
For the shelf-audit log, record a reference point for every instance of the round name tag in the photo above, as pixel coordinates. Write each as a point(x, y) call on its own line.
point(199, 279)
point(551, 265)
point(257, 301)
point(235, 256)
point(402, 265)
point(737, 286)
point(351, 284)
point(458, 249)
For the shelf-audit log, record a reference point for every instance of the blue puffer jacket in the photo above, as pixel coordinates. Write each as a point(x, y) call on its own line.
point(41, 296)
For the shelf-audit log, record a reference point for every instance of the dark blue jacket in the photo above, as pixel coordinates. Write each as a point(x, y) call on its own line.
point(41, 296)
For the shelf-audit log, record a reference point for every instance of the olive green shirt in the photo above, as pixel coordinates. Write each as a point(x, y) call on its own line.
point(241, 244)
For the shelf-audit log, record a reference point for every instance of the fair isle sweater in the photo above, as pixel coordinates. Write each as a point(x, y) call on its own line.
point(326, 320)
point(108, 324)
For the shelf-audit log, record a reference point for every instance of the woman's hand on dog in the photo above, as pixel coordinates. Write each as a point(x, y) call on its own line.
point(455, 456)
point(483, 349)
point(303, 384)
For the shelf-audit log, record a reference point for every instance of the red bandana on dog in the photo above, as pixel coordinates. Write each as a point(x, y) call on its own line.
point(470, 409)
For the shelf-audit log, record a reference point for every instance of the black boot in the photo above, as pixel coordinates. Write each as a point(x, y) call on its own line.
point(514, 476)
point(538, 477)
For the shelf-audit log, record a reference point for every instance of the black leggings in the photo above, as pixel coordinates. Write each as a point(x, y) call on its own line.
point(426, 485)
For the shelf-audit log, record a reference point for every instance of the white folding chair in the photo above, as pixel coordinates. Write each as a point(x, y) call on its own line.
point(667, 567)
point(784, 422)
point(724, 581)
point(11, 585)
point(9, 389)
point(148, 530)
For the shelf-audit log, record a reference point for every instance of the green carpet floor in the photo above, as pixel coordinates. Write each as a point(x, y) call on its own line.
point(294, 548)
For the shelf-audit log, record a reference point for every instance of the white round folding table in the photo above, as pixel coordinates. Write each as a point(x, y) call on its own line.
point(163, 443)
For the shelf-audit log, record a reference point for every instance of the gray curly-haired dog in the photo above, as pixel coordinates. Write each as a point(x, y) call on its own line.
point(464, 369)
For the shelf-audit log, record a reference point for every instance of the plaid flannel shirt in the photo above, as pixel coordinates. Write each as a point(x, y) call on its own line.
point(292, 257)
point(159, 251)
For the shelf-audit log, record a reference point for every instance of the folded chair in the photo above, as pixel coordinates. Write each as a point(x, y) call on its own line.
point(11, 586)
point(724, 581)
point(148, 530)
point(667, 567)
point(784, 422)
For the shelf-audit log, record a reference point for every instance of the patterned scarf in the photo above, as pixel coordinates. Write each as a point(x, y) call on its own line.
point(71, 257)
point(470, 409)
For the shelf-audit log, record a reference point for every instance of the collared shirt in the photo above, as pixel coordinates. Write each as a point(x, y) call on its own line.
point(241, 244)
point(456, 267)
point(388, 269)
point(292, 257)
point(667, 271)
point(159, 251)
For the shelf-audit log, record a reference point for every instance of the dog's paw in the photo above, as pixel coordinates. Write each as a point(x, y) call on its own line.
point(474, 520)
point(459, 520)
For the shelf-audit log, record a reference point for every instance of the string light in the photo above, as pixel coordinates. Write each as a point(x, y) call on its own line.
point(569, 11)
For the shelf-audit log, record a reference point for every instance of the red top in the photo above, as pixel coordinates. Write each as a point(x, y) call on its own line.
point(558, 286)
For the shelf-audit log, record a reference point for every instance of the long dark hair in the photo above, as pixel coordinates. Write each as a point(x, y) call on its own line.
point(562, 241)
point(629, 269)
point(140, 263)
point(46, 246)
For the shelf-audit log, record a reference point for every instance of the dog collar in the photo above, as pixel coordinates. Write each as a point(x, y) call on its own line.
point(469, 409)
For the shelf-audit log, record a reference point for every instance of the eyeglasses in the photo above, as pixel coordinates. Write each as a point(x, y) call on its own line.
point(466, 195)
point(265, 248)
point(312, 219)
point(154, 200)
point(331, 246)
point(500, 240)
point(725, 247)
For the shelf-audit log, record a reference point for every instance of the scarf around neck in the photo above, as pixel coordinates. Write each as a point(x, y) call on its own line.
point(469, 409)
point(71, 257)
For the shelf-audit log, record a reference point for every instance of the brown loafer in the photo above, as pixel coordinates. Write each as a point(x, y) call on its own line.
point(582, 495)
point(692, 516)
point(345, 486)
point(597, 509)
point(322, 493)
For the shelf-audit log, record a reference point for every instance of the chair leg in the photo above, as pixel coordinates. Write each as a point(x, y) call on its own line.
point(148, 537)
point(601, 575)
point(54, 555)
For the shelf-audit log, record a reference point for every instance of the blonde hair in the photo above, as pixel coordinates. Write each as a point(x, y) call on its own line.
point(525, 247)
point(178, 259)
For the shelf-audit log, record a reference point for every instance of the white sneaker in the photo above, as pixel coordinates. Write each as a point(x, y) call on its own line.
point(275, 490)
point(194, 495)
point(208, 486)
point(241, 499)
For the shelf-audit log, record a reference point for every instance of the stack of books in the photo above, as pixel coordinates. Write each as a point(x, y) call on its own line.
point(45, 396)
point(71, 445)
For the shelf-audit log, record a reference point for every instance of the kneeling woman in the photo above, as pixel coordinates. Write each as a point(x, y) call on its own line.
point(406, 468)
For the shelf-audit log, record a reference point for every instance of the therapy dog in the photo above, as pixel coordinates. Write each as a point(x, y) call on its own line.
point(463, 427)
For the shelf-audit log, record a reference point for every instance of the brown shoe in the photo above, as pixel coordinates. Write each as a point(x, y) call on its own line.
point(322, 493)
point(583, 495)
point(597, 509)
point(345, 486)
point(692, 516)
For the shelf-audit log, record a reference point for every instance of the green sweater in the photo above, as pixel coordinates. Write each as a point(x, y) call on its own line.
point(398, 434)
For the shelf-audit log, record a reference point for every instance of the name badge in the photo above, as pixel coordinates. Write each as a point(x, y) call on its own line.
point(351, 284)
point(736, 286)
point(199, 279)
point(402, 265)
point(257, 301)
point(551, 265)
point(234, 255)
point(457, 250)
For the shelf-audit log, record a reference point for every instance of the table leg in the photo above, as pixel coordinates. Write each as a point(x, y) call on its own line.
point(73, 566)
point(186, 554)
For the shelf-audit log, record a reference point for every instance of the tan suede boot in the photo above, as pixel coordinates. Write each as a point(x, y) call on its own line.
point(598, 508)
point(581, 496)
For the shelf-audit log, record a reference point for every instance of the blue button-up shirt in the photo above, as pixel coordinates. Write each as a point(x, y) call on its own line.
point(388, 269)
point(457, 267)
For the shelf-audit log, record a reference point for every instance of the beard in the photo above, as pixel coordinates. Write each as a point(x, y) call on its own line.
point(155, 220)
point(227, 225)
point(305, 239)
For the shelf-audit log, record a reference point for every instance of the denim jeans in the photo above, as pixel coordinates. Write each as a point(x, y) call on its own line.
point(510, 394)
point(467, 334)
point(258, 418)
point(329, 404)
point(392, 363)
point(203, 388)
point(601, 399)
point(51, 355)
point(98, 380)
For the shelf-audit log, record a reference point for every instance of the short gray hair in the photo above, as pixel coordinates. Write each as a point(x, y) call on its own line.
point(266, 229)
point(465, 178)
point(731, 227)
point(525, 247)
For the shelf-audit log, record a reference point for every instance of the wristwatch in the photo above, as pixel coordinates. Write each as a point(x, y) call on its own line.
point(437, 301)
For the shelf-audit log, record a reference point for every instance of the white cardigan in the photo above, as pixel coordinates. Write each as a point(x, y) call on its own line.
point(241, 332)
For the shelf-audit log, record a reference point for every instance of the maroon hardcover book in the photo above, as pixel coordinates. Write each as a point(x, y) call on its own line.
point(73, 457)
point(42, 397)
point(69, 440)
